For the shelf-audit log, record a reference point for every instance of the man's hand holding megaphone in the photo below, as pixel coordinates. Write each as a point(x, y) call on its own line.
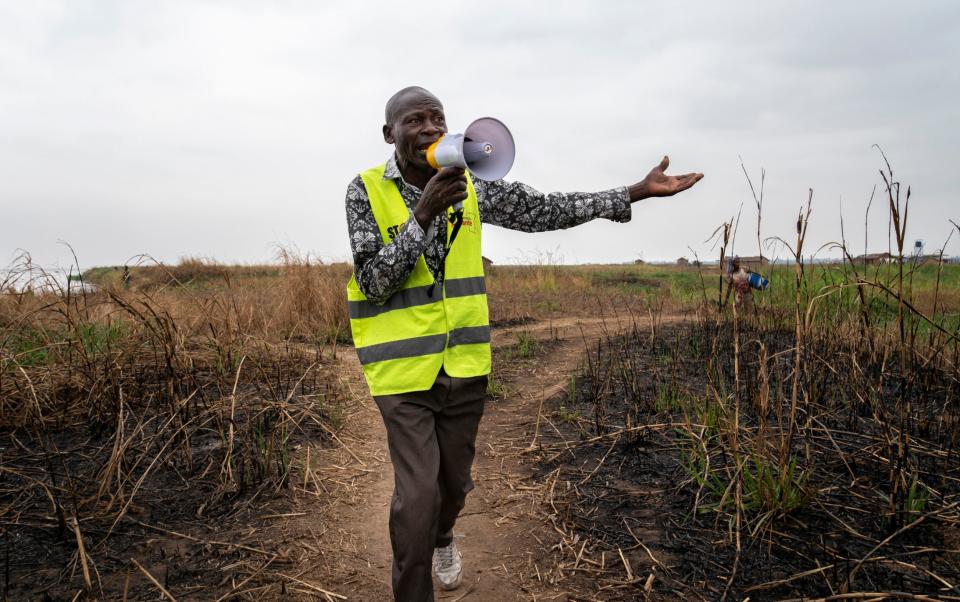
point(448, 187)
point(486, 148)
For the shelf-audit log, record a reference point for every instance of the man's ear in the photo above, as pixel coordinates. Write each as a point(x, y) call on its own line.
point(388, 134)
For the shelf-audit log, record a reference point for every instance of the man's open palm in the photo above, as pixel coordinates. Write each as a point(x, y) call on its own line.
point(660, 184)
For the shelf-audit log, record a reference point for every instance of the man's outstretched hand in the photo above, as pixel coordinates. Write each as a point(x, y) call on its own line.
point(658, 183)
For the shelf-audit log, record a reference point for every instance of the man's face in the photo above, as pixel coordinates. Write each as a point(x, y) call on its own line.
point(418, 122)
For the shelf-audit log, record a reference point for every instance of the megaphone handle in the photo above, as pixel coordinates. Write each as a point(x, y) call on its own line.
point(458, 221)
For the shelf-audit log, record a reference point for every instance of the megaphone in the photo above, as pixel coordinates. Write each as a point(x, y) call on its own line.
point(486, 148)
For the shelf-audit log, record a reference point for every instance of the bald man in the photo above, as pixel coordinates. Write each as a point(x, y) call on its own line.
point(418, 312)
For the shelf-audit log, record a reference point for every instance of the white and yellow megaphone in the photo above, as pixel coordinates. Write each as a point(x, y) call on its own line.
point(485, 148)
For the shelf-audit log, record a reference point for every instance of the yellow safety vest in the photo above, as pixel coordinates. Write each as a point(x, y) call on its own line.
point(403, 343)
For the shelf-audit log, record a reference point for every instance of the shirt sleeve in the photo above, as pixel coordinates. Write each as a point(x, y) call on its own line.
point(517, 206)
point(380, 269)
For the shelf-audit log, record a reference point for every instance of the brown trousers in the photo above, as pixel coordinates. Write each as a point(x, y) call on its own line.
point(431, 435)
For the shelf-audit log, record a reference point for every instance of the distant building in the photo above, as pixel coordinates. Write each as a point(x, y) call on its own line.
point(875, 258)
point(754, 261)
point(639, 261)
point(936, 258)
point(683, 262)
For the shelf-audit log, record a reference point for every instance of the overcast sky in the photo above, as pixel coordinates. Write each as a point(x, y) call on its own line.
point(224, 129)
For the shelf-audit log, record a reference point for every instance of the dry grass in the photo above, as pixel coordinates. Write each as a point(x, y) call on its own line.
point(170, 401)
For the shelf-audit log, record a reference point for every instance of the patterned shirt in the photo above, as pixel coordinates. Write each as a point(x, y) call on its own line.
point(381, 269)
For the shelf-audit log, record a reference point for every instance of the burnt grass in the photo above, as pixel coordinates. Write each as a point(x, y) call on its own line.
point(161, 499)
point(875, 475)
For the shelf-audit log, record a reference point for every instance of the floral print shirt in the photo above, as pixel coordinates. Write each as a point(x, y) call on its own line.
point(381, 269)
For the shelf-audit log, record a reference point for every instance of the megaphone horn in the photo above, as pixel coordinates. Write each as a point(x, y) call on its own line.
point(486, 148)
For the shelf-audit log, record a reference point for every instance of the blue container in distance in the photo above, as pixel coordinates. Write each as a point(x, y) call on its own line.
point(757, 281)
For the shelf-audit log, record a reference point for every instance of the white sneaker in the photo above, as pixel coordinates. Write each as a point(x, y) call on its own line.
point(447, 566)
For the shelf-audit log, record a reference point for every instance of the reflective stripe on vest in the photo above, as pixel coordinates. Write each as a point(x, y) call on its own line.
point(403, 343)
point(458, 287)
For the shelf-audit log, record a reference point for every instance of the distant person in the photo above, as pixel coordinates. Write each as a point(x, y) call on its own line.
point(418, 311)
point(741, 281)
point(738, 279)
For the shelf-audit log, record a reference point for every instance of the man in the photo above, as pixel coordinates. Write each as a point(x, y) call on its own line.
point(419, 318)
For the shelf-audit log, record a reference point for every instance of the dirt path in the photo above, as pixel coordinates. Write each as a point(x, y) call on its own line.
point(505, 546)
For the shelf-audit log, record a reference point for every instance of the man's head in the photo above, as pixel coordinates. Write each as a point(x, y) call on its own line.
point(414, 120)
